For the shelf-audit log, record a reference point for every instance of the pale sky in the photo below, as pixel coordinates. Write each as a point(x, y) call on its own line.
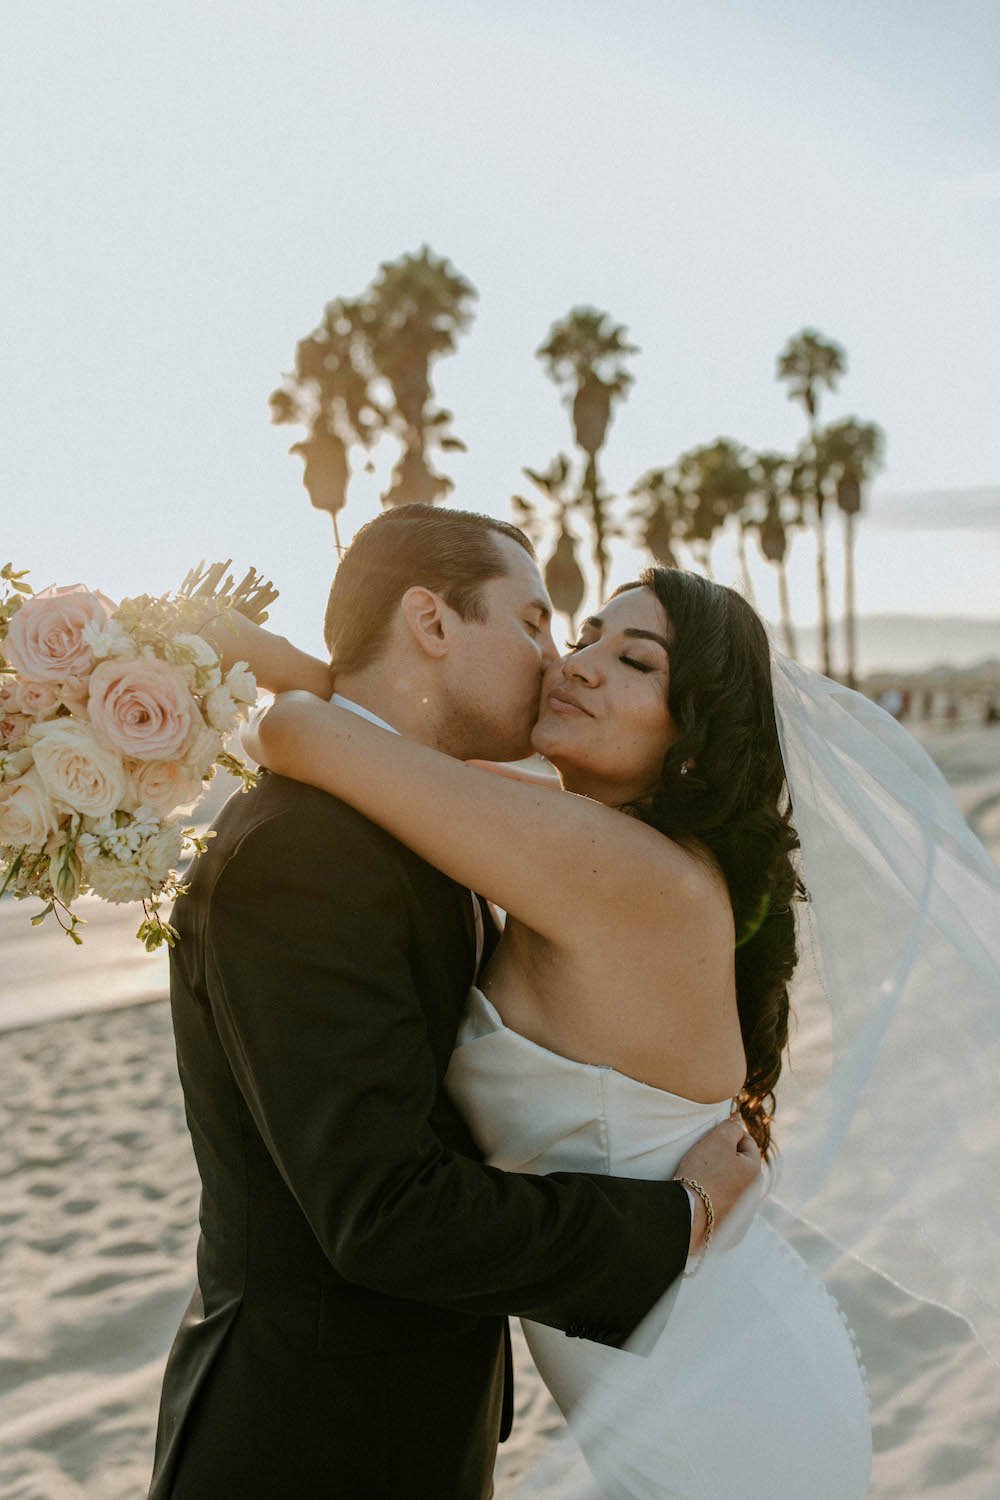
point(186, 185)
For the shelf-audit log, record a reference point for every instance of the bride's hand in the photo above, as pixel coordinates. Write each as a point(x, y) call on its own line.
point(727, 1163)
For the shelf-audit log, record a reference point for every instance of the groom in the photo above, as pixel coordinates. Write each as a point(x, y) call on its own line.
point(347, 1337)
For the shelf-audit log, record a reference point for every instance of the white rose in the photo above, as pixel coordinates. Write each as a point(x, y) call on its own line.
point(76, 769)
point(202, 750)
point(116, 881)
point(160, 854)
point(197, 659)
point(241, 682)
point(161, 785)
point(220, 709)
point(27, 815)
point(109, 639)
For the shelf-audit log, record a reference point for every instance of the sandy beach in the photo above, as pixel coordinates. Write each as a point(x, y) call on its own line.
point(98, 1223)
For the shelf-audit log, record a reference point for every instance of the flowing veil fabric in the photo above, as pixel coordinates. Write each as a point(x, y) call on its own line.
point(889, 1103)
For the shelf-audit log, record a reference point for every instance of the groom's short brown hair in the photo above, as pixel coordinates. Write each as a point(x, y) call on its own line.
point(451, 552)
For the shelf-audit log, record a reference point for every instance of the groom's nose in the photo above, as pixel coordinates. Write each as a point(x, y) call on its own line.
point(549, 649)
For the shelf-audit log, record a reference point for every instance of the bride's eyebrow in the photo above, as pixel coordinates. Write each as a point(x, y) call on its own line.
point(648, 635)
point(593, 623)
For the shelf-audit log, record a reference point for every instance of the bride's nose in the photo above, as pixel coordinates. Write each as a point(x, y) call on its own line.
point(582, 665)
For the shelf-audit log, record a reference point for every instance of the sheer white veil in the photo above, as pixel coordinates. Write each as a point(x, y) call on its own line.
point(888, 1121)
point(893, 1148)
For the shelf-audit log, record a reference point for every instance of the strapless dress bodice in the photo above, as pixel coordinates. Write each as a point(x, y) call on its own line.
point(533, 1110)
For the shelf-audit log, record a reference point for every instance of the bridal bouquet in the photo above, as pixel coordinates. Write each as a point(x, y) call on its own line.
point(112, 719)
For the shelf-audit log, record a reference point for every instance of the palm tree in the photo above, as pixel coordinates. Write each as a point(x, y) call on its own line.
point(852, 450)
point(330, 394)
point(702, 486)
point(659, 513)
point(418, 306)
point(365, 372)
point(583, 355)
point(563, 575)
point(728, 479)
point(807, 363)
point(772, 472)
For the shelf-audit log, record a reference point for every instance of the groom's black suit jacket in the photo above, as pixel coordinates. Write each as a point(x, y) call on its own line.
point(357, 1258)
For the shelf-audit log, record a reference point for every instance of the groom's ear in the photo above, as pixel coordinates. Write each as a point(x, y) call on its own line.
point(424, 615)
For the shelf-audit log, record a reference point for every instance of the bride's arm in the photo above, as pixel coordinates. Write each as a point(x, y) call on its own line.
point(560, 863)
point(278, 666)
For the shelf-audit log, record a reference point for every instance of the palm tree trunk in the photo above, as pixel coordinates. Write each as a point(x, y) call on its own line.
point(603, 562)
point(746, 582)
point(850, 608)
point(822, 576)
point(823, 590)
point(336, 537)
point(785, 600)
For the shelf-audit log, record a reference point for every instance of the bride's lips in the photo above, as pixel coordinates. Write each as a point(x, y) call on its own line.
point(562, 702)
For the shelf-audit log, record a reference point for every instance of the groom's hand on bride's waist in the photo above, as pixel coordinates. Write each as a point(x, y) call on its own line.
point(727, 1164)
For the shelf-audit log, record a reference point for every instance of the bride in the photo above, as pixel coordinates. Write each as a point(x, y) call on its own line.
point(639, 994)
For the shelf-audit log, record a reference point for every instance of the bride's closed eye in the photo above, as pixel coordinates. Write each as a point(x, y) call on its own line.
point(630, 661)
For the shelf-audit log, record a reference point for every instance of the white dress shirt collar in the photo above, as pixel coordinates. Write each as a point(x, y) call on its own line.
point(364, 713)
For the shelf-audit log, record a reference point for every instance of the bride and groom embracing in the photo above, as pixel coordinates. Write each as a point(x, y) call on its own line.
point(409, 1126)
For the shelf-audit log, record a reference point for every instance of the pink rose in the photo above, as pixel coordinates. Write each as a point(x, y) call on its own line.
point(141, 707)
point(38, 699)
point(162, 785)
point(45, 639)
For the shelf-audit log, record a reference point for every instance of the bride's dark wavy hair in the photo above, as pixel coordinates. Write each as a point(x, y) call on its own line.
point(732, 803)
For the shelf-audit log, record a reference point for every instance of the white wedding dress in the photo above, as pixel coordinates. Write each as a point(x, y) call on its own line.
point(749, 1382)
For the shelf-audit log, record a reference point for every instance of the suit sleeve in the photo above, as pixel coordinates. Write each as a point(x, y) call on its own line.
point(314, 999)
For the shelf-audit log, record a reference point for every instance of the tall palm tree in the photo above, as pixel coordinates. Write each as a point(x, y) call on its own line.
point(418, 305)
point(563, 575)
point(660, 514)
point(852, 451)
point(808, 363)
point(583, 355)
point(772, 473)
point(706, 501)
point(728, 479)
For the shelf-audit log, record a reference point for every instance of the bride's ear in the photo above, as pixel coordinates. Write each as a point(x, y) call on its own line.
point(424, 615)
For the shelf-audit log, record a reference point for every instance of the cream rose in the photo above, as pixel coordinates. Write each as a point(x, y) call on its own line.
point(161, 785)
point(45, 641)
point(219, 709)
point(115, 881)
point(241, 683)
point(160, 854)
point(27, 815)
point(76, 769)
point(141, 707)
point(38, 699)
point(203, 750)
